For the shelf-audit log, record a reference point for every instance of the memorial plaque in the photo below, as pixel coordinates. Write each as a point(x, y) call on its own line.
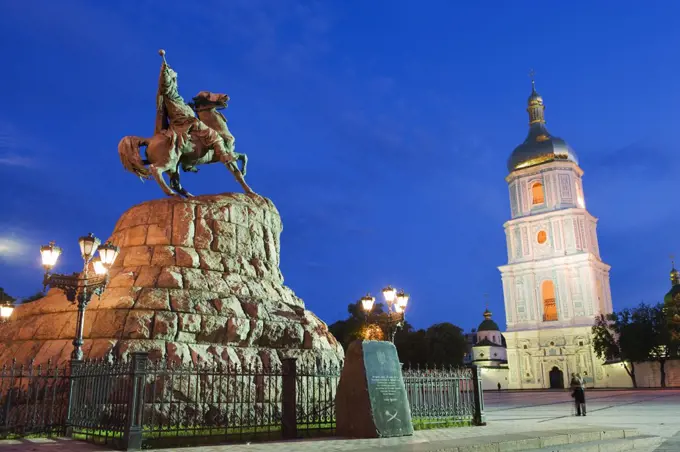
point(371, 399)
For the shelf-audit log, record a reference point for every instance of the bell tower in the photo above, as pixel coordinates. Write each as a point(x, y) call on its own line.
point(555, 282)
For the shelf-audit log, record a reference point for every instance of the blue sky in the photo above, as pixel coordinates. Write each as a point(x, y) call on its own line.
point(380, 129)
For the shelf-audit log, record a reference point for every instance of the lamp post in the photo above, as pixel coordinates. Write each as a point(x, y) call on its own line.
point(79, 287)
point(396, 309)
point(6, 307)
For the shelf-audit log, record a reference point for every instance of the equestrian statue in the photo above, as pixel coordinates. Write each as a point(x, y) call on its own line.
point(182, 140)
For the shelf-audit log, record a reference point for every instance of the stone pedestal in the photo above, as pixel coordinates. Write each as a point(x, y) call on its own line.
point(196, 279)
point(371, 400)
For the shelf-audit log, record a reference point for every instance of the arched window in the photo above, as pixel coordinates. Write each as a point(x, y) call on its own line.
point(549, 305)
point(537, 193)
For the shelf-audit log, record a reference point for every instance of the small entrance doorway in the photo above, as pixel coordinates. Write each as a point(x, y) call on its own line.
point(556, 378)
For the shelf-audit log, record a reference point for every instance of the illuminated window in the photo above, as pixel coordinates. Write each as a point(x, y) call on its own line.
point(549, 305)
point(542, 237)
point(537, 196)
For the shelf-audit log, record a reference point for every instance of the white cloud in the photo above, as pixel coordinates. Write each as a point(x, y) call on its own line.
point(13, 247)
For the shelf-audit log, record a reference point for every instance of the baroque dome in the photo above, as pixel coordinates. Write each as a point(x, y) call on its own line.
point(674, 294)
point(488, 324)
point(539, 146)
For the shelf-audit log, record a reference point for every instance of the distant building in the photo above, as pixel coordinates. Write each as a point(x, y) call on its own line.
point(555, 282)
point(487, 351)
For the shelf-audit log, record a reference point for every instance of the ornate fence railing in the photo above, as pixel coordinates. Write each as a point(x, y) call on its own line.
point(141, 403)
point(444, 396)
point(33, 399)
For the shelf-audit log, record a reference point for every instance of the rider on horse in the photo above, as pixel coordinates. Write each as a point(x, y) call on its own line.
point(174, 114)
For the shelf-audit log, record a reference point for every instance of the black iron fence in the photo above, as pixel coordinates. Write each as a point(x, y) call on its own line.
point(139, 403)
point(33, 399)
point(444, 396)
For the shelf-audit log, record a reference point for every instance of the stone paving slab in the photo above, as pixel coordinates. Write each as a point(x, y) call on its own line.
point(48, 445)
point(452, 439)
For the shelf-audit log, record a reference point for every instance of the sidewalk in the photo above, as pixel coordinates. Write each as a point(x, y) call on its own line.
point(510, 417)
point(440, 439)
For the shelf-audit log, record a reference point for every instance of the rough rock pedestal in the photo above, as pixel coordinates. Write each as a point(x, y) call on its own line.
point(196, 279)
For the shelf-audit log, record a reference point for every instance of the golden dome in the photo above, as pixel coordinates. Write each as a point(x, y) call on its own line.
point(539, 146)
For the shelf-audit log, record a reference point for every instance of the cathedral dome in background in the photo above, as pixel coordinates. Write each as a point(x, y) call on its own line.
point(673, 295)
point(488, 324)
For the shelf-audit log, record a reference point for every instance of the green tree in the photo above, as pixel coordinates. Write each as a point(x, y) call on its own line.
point(412, 346)
point(446, 345)
point(615, 338)
point(4, 296)
point(654, 337)
point(441, 344)
point(348, 330)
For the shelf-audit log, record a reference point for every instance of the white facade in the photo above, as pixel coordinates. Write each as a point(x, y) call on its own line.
point(553, 251)
point(555, 283)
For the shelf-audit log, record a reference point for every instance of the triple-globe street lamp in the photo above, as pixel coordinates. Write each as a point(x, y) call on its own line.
point(396, 309)
point(80, 287)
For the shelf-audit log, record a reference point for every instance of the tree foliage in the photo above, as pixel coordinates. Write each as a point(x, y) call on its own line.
point(440, 344)
point(634, 336)
point(4, 296)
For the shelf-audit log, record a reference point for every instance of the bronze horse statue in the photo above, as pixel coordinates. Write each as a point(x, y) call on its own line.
point(165, 153)
point(181, 140)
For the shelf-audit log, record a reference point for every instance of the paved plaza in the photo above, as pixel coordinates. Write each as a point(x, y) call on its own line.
point(651, 412)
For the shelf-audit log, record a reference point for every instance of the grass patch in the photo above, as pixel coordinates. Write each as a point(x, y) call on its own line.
point(428, 423)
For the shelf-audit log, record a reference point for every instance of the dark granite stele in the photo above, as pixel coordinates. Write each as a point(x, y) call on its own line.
point(371, 401)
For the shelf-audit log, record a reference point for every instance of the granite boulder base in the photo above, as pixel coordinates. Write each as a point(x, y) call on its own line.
point(197, 279)
point(371, 399)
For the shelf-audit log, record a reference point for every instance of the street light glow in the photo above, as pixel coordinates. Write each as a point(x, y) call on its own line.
point(108, 253)
point(396, 307)
point(402, 299)
point(389, 293)
point(367, 302)
point(6, 311)
point(88, 246)
point(99, 267)
point(49, 255)
point(78, 287)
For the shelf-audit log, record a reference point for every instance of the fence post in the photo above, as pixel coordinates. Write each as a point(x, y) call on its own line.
point(132, 438)
point(479, 418)
point(289, 398)
point(73, 379)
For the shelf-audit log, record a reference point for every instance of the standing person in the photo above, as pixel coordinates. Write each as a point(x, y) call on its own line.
point(499, 386)
point(579, 395)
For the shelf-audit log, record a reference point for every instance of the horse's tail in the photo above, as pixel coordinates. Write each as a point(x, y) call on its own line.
point(128, 150)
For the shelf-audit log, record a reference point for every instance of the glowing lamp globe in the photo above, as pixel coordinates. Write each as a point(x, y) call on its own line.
point(389, 293)
point(402, 299)
point(6, 311)
point(99, 267)
point(367, 303)
point(49, 254)
point(108, 253)
point(88, 246)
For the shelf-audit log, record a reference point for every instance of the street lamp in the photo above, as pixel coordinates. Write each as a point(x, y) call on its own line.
point(396, 308)
point(6, 308)
point(79, 287)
